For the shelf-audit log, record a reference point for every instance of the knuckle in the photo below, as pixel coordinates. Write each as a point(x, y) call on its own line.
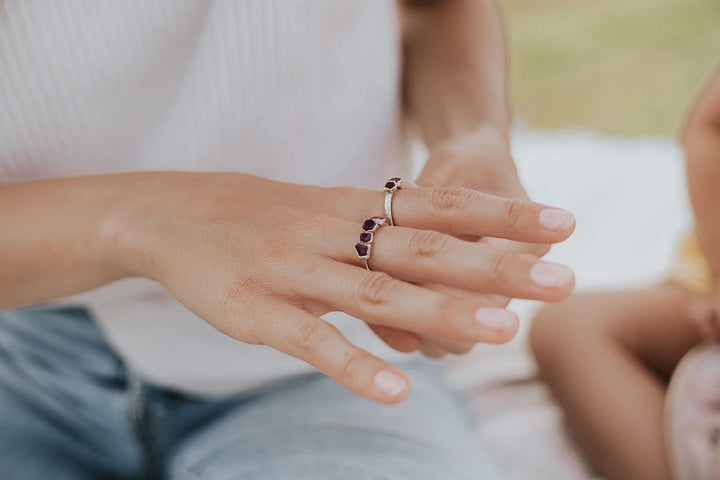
point(310, 335)
point(499, 266)
point(450, 320)
point(427, 244)
point(450, 199)
point(238, 294)
point(376, 288)
point(352, 365)
point(515, 214)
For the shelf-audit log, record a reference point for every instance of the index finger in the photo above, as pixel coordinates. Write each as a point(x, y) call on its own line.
point(462, 211)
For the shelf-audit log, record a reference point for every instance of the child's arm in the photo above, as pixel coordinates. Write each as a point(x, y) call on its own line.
point(701, 142)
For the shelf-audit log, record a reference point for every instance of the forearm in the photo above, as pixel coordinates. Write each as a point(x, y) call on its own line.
point(455, 68)
point(54, 242)
point(701, 142)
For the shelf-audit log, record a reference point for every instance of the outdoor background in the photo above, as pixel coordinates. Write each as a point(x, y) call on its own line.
point(623, 67)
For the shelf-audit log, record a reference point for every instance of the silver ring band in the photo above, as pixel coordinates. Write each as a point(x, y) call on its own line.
point(364, 247)
point(391, 186)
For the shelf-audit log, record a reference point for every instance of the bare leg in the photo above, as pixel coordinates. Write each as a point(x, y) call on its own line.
point(607, 357)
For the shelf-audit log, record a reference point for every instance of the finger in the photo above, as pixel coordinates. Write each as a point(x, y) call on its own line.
point(537, 249)
point(428, 256)
point(437, 348)
point(297, 333)
point(463, 211)
point(400, 340)
point(381, 299)
point(458, 211)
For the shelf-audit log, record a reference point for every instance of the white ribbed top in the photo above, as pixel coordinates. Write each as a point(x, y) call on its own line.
point(297, 90)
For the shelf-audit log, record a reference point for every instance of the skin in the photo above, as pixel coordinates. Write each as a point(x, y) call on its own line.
point(263, 269)
point(260, 260)
point(456, 51)
point(608, 356)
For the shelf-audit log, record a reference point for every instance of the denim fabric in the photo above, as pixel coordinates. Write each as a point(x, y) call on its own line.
point(70, 410)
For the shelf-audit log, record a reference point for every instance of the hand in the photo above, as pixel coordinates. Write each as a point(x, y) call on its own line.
point(479, 160)
point(261, 260)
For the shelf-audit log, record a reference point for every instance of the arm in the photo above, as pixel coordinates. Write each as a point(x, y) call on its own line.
point(456, 71)
point(701, 142)
point(456, 90)
point(53, 242)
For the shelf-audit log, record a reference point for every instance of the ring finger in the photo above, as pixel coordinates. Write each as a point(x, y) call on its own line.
point(428, 256)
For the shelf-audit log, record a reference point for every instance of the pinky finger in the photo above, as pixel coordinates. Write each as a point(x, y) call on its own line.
point(304, 336)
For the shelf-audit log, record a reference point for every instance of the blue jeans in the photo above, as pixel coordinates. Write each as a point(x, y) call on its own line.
point(70, 409)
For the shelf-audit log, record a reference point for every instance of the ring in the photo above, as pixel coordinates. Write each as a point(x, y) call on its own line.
point(364, 246)
point(391, 186)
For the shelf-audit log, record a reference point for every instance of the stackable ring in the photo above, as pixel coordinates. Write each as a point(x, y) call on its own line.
point(391, 186)
point(364, 246)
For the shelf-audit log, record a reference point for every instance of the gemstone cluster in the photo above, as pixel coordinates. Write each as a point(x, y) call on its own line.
point(369, 226)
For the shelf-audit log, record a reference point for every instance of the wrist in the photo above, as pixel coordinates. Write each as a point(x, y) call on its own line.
point(126, 240)
point(459, 124)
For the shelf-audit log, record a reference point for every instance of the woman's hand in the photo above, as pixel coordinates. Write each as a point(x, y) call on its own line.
point(261, 260)
point(478, 159)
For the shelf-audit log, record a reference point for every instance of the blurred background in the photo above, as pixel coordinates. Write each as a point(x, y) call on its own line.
point(621, 67)
point(600, 88)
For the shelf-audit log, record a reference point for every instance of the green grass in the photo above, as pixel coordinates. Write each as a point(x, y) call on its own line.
point(624, 67)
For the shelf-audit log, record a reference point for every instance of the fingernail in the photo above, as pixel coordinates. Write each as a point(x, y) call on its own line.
point(390, 383)
point(494, 318)
point(556, 219)
point(550, 274)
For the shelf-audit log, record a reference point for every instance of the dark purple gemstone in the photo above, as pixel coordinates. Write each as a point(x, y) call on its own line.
point(361, 249)
point(366, 237)
point(368, 224)
point(395, 179)
point(390, 185)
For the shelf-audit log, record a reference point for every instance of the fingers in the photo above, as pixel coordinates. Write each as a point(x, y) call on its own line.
point(297, 333)
point(428, 256)
point(381, 299)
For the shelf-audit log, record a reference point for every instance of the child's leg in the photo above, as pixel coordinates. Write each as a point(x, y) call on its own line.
point(607, 357)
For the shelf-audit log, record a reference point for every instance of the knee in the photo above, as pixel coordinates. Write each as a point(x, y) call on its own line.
point(559, 332)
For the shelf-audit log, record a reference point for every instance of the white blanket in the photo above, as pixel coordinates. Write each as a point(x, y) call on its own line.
point(629, 199)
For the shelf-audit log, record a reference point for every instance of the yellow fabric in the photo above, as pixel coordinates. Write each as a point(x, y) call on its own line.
point(692, 269)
